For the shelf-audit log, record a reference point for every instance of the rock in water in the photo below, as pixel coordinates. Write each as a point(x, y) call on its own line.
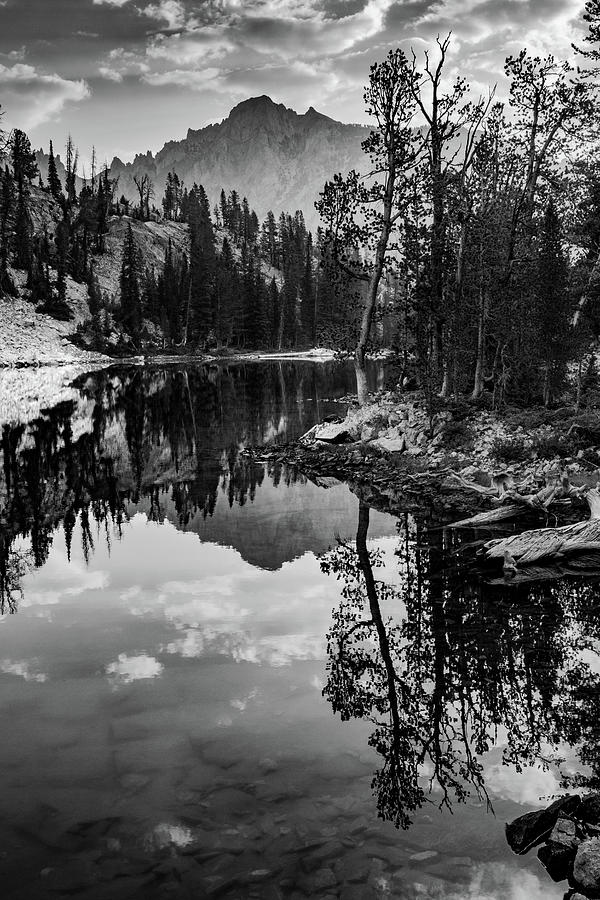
point(586, 868)
point(530, 830)
point(558, 854)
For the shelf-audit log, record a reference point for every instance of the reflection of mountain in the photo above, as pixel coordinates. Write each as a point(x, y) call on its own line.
point(275, 529)
point(130, 435)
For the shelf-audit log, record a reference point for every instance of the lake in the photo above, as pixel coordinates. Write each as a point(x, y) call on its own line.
point(221, 679)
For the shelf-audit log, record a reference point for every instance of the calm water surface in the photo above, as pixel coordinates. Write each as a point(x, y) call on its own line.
point(221, 679)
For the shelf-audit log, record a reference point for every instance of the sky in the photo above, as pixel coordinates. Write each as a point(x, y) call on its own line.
point(126, 76)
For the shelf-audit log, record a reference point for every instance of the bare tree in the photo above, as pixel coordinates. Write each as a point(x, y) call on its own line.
point(145, 189)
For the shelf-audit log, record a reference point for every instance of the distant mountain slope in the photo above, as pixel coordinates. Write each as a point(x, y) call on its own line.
point(272, 155)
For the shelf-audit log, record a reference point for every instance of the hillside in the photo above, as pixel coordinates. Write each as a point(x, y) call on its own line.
point(275, 157)
point(29, 337)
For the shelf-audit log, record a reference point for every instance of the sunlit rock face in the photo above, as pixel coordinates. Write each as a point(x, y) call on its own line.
point(275, 157)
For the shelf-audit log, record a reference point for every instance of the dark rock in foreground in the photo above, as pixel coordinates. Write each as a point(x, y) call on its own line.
point(586, 868)
point(570, 830)
point(531, 829)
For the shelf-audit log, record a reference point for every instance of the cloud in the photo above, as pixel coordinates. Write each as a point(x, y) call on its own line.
point(117, 3)
point(121, 63)
point(172, 12)
point(195, 80)
point(31, 97)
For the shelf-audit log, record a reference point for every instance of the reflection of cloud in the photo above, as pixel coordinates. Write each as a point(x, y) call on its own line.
point(493, 880)
point(190, 647)
point(171, 12)
point(85, 580)
point(243, 646)
point(280, 650)
point(22, 668)
point(133, 668)
point(525, 788)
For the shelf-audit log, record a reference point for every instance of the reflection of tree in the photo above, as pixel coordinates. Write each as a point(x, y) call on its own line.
point(153, 435)
point(445, 666)
point(14, 565)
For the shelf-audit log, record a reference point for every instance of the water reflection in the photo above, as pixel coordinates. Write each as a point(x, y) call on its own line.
point(447, 667)
point(167, 441)
point(162, 681)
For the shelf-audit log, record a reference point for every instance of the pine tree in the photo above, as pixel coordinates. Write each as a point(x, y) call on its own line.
point(23, 229)
point(94, 294)
point(7, 211)
point(201, 313)
point(23, 158)
point(72, 156)
point(308, 297)
point(131, 307)
point(54, 182)
point(274, 313)
point(227, 295)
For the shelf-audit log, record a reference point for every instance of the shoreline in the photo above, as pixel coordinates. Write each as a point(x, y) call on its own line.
point(460, 462)
point(82, 357)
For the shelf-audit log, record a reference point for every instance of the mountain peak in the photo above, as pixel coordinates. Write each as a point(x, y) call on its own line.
point(254, 104)
point(278, 158)
point(313, 114)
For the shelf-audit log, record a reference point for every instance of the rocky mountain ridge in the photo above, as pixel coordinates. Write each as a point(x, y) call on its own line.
point(277, 158)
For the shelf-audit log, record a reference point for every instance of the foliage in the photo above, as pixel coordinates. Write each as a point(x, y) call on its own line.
point(510, 449)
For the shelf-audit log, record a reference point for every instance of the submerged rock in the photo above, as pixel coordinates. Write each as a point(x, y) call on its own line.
point(532, 828)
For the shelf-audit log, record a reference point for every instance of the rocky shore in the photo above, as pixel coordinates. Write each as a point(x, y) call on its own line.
point(458, 460)
point(568, 836)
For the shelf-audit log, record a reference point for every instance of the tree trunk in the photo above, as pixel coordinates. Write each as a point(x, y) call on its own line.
point(480, 362)
point(373, 284)
point(360, 370)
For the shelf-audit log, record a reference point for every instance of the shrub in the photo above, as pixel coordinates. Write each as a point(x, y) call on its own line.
point(551, 445)
point(458, 435)
point(510, 450)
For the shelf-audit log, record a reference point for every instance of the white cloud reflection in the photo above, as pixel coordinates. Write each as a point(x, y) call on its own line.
point(127, 669)
point(23, 668)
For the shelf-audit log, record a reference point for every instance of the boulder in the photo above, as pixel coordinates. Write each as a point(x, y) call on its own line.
point(586, 868)
point(531, 829)
point(391, 445)
point(335, 433)
point(558, 854)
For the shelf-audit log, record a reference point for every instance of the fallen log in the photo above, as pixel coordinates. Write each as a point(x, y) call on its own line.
point(547, 543)
point(490, 516)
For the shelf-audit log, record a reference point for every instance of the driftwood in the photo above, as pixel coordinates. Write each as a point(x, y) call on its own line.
point(558, 491)
point(549, 543)
point(588, 564)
